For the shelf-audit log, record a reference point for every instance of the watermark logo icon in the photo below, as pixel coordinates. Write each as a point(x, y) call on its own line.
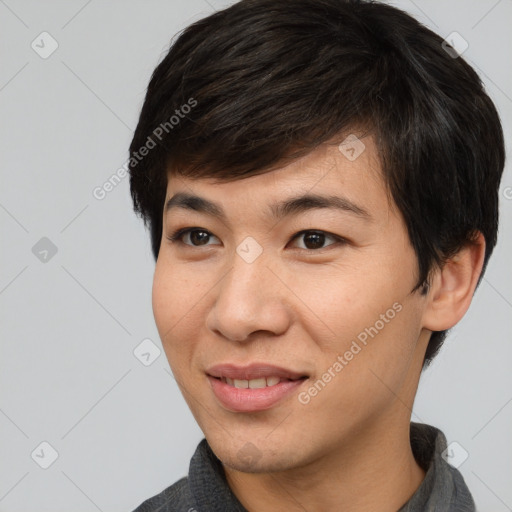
point(249, 249)
point(44, 250)
point(44, 45)
point(352, 147)
point(147, 352)
point(249, 453)
point(455, 45)
point(44, 455)
point(455, 454)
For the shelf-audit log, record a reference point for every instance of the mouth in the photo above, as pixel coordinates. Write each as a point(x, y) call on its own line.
point(253, 388)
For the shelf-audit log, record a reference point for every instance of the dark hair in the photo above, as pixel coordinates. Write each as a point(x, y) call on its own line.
point(263, 81)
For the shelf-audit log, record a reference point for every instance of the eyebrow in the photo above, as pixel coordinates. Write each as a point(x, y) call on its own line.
point(288, 207)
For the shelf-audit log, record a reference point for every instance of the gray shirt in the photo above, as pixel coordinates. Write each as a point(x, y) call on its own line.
point(206, 489)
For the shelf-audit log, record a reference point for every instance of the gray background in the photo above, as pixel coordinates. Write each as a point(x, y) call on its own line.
point(69, 324)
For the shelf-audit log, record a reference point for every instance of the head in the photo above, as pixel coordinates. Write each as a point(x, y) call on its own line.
point(271, 99)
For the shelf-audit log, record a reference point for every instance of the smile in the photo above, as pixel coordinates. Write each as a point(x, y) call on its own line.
point(253, 395)
point(254, 383)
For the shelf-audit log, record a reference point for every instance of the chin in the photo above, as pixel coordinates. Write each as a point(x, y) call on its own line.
point(258, 457)
point(264, 465)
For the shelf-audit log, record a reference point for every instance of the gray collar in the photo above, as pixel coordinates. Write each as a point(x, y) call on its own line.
point(443, 488)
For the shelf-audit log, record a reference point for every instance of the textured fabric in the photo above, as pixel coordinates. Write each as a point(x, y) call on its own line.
point(443, 488)
point(206, 489)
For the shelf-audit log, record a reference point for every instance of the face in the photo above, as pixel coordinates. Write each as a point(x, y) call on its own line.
point(314, 297)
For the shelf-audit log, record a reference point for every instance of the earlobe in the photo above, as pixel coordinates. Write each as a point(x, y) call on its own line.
point(453, 287)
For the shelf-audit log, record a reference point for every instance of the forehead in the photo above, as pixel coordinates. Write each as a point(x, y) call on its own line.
point(328, 177)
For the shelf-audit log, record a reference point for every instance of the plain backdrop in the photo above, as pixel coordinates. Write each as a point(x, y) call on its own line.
point(76, 272)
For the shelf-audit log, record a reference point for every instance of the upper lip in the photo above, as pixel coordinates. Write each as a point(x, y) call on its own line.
point(252, 371)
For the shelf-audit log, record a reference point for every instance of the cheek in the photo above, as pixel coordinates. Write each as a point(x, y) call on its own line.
point(343, 302)
point(373, 324)
point(174, 293)
point(178, 300)
point(162, 300)
point(389, 348)
point(170, 301)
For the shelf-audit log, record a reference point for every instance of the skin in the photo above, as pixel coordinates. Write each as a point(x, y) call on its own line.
point(300, 307)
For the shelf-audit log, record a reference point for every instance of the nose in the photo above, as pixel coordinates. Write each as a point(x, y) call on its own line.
point(250, 298)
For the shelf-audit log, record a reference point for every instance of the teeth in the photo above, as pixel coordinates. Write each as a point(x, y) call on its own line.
point(258, 383)
point(253, 383)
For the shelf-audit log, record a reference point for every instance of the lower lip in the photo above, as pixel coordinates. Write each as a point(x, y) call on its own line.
point(252, 400)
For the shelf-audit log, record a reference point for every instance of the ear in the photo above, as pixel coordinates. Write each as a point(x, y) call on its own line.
point(453, 287)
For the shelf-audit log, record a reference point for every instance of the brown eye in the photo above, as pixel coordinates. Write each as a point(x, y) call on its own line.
point(314, 240)
point(198, 237)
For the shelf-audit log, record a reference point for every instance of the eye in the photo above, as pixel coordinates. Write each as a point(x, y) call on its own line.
point(197, 235)
point(313, 239)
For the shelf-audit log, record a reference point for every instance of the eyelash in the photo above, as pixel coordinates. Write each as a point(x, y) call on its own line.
point(178, 234)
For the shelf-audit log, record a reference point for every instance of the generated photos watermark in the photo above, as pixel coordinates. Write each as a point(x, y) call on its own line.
point(101, 191)
point(341, 361)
